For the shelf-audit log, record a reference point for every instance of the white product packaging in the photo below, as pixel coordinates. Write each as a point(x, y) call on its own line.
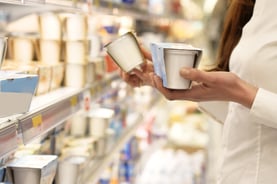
point(99, 119)
point(15, 88)
point(169, 58)
point(125, 52)
point(33, 169)
point(69, 169)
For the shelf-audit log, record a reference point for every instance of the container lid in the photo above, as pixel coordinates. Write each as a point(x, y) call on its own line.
point(120, 38)
point(76, 159)
point(175, 46)
point(33, 161)
point(181, 51)
point(101, 113)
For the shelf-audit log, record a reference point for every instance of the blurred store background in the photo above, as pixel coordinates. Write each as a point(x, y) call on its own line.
point(100, 129)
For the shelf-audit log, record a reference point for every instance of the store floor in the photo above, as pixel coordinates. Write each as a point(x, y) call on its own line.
point(168, 166)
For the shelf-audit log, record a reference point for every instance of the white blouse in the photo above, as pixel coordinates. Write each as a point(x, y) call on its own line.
point(249, 140)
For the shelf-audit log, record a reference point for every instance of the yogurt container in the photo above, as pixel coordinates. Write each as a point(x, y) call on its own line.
point(169, 58)
point(125, 51)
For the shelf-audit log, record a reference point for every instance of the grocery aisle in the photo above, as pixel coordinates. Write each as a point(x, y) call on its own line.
point(78, 122)
point(172, 148)
point(173, 166)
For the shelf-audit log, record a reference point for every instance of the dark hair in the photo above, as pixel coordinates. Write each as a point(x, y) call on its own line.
point(238, 14)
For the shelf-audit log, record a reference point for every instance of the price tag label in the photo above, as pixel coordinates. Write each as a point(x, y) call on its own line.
point(37, 120)
point(74, 101)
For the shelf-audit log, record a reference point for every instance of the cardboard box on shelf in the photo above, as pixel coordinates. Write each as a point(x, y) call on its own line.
point(16, 92)
point(40, 169)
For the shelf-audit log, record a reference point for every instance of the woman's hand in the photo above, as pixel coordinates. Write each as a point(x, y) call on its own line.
point(208, 86)
point(143, 76)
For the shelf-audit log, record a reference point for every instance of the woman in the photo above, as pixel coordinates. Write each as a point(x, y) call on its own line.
point(249, 50)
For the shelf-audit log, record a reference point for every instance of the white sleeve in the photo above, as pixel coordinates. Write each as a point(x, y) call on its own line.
point(216, 109)
point(265, 108)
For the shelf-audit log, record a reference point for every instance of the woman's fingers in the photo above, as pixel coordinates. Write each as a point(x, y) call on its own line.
point(138, 73)
point(196, 93)
point(146, 54)
point(198, 75)
point(123, 76)
point(169, 94)
point(131, 79)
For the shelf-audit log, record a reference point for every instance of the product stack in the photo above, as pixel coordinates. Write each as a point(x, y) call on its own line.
point(75, 28)
point(50, 48)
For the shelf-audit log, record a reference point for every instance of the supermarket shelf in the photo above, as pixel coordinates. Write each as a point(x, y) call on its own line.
point(108, 7)
point(44, 116)
point(63, 3)
point(20, 8)
point(59, 3)
point(96, 167)
point(8, 139)
point(111, 8)
point(50, 110)
point(12, 1)
point(47, 112)
point(103, 7)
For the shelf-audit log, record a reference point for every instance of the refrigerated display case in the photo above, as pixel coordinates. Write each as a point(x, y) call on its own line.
point(50, 111)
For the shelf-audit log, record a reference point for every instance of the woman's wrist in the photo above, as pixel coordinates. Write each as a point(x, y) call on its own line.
point(247, 94)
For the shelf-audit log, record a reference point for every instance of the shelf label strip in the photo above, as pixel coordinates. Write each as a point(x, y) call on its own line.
point(37, 120)
point(74, 101)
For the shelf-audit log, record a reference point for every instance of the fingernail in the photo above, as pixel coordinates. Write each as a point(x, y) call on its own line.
point(184, 71)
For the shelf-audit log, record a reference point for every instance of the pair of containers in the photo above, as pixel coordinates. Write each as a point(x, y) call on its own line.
point(168, 58)
point(92, 123)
